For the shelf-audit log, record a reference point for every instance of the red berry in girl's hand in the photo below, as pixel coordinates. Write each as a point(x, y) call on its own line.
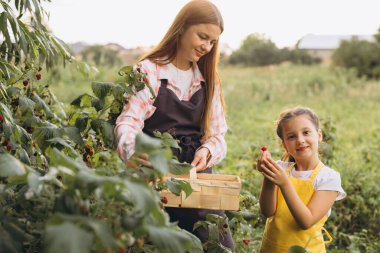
point(39, 68)
point(25, 83)
point(246, 242)
point(264, 149)
point(164, 200)
point(38, 76)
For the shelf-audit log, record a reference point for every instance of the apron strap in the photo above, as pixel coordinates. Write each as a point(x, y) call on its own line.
point(164, 83)
point(313, 174)
point(316, 171)
point(328, 235)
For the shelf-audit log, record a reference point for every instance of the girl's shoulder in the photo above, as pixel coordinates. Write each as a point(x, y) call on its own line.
point(327, 172)
point(329, 179)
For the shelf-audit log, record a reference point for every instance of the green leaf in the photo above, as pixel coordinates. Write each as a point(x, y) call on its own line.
point(7, 114)
point(98, 104)
point(74, 134)
point(84, 100)
point(24, 157)
point(146, 144)
point(106, 130)
point(42, 134)
point(159, 161)
point(176, 186)
point(126, 70)
point(178, 168)
point(169, 240)
point(67, 238)
point(10, 166)
point(40, 104)
point(101, 90)
point(26, 105)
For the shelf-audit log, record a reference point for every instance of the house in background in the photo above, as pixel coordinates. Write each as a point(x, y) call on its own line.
point(323, 46)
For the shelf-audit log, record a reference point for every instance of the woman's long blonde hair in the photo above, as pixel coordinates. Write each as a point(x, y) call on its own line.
point(193, 13)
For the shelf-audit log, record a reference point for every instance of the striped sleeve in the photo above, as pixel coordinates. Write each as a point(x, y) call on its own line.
point(131, 120)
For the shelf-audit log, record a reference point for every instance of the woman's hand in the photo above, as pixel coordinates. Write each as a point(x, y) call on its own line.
point(200, 159)
point(273, 172)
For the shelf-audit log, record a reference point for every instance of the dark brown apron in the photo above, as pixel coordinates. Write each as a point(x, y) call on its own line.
point(183, 120)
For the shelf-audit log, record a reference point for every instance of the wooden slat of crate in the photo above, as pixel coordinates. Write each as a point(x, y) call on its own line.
point(229, 202)
point(211, 191)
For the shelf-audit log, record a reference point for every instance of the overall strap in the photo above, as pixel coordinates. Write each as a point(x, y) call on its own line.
point(290, 167)
point(164, 83)
point(316, 171)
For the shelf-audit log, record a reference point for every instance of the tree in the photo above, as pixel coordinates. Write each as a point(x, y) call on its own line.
point(363, 56)
point(256, 50)
point(24, 43)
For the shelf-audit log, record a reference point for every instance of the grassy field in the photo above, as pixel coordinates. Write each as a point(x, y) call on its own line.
point(349, 108)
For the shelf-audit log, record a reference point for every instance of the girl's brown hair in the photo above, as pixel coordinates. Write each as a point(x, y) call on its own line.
point(289, 114)
point(193, 13)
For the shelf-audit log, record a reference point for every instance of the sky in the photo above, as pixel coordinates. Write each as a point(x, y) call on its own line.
point(133, 23)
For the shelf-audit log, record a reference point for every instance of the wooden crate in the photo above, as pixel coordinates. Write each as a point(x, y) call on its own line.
point(210, 191)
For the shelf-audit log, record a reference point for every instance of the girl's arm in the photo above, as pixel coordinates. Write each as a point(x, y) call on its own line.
point(268, 194)
point(305, 215)
point(268, 198)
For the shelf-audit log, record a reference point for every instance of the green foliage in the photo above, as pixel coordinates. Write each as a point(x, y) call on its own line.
point(256, 50)
point(72, 183)
point(363, 56)
point(100, 55)
point(26, 43)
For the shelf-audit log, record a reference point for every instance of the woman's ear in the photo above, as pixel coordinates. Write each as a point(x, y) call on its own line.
point(320, 136)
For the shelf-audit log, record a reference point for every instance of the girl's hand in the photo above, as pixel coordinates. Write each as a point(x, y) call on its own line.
point(273, 172)
point(200, 159)
point(264, 153)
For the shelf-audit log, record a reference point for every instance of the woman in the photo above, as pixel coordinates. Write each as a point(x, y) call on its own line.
point(182, 69)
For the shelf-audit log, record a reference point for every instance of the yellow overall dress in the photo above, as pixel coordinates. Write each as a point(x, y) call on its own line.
point(282, 231)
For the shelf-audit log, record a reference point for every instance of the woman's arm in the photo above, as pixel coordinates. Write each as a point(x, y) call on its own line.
point(305, 215)
point(131, 120)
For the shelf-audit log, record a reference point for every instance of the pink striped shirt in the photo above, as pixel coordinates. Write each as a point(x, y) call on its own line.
point(140, 107)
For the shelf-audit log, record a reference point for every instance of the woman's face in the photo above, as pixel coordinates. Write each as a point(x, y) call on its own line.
point(197, 41)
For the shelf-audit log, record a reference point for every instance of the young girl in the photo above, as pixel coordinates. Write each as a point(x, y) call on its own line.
point(297, 193)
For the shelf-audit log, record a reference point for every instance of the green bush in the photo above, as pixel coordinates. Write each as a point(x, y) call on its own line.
point(363, 56)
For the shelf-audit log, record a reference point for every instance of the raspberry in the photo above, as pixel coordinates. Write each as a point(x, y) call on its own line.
point(164, 200)
point(25, 83)
point(264, 149)
point(1, 117)
point(39, 68)
point(246, 242)
point(38, 76)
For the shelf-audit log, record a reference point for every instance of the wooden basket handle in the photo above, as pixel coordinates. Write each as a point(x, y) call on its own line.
point(193, 173)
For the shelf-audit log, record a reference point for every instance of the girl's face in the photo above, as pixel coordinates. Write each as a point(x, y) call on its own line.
point(195, 42)
point(301, 139)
